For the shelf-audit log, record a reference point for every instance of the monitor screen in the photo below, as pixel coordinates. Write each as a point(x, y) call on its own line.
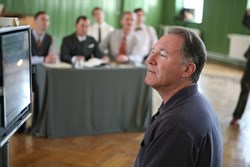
point(15, 52)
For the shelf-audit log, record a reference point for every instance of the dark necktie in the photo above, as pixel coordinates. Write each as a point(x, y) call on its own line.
point(138, 29)
point(38, 43)
point(122, 50)
point(99, 34)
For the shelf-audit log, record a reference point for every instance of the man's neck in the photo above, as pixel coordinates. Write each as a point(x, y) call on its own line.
point(167, 93)
point(139, 25)
point(39, 32)
point(126, 31)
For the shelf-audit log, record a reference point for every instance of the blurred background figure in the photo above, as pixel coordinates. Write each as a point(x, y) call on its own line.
point(43, 45)
point(147, 34)
point(43, 51)
point(245, 81)
point(122, 44)
point(100, 29)
point(79, 46)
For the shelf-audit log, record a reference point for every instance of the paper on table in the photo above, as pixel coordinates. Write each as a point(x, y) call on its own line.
point(93, 62)
point(58, 65)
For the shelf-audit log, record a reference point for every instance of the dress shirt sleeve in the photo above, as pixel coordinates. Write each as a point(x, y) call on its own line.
point(37, 59)
point(153, 35)
point(65, 51)
point(52, 47)
point(136, 55)
point(104, 45)
point(97, 51)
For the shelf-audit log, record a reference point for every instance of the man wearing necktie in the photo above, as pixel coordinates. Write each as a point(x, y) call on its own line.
point(43, 45)
point(43, 51)
point(146, 34)
point(79, 46)
point(123, 44)
point(100, 29)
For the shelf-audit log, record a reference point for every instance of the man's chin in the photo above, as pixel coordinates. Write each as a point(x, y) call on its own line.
point(148, 82)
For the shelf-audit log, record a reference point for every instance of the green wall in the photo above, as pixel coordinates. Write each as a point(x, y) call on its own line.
point(63, 13)
point(152, 8)
point(220, 17)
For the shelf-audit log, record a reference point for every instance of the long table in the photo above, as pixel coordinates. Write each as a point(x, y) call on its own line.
point(74, 102)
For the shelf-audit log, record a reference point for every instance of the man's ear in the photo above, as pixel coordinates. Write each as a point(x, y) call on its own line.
point(189, 70)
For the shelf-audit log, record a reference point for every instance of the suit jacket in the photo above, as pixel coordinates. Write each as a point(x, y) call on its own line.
point(71, 47)
point(43, 50)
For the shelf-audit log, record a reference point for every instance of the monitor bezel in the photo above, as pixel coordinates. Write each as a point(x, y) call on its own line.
point(8, 128)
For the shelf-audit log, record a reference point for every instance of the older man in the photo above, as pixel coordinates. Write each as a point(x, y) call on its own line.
point(185, 130)
point(122, 44)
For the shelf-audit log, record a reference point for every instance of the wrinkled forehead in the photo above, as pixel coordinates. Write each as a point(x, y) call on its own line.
point(169, 42)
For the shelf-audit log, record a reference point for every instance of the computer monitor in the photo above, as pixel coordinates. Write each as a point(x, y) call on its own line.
point(15, 78)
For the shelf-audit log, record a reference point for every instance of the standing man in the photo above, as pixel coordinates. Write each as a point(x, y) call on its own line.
point(245, 81)
point(43, 45)
point(79, 46)
point(100, 29)
point(122, 44)
point(185, 130)
point(146, 34)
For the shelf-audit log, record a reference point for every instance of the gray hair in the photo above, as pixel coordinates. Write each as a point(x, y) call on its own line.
point(193, 49)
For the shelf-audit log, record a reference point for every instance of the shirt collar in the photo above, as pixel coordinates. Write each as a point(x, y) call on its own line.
point(140, 27)
point(37, 37)
point(179, 96)
point(81, 38)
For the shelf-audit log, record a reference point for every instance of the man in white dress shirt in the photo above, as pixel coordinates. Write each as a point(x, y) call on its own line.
point(122, 44)
point(100, 29)
point(146, 34)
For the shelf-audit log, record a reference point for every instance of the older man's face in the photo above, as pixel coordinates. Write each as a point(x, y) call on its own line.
point(164, 67)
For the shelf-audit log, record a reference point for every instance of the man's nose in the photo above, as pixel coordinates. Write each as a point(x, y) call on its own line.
point(151, 59)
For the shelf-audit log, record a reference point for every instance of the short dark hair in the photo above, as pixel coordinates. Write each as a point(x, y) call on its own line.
point(38, 14)
point(81, 17)
point(138, 10)
point(94, 9)
point(193, 49)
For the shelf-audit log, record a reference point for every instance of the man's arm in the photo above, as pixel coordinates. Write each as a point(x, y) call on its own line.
point(136, 55)
point(171, 148)
point(65, 51)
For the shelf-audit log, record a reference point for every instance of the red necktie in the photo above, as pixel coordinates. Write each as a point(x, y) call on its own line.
point(122, 50)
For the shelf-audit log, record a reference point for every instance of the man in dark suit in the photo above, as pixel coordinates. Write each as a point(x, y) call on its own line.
point(79, 46)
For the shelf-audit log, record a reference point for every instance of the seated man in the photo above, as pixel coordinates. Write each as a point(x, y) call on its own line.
point(43, 45)
point(145, 33)
point(43, 51)
point(80, 46)
point(100, 29)
point(123, 45)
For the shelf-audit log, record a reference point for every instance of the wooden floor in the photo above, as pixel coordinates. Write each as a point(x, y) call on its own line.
point(219, 83)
